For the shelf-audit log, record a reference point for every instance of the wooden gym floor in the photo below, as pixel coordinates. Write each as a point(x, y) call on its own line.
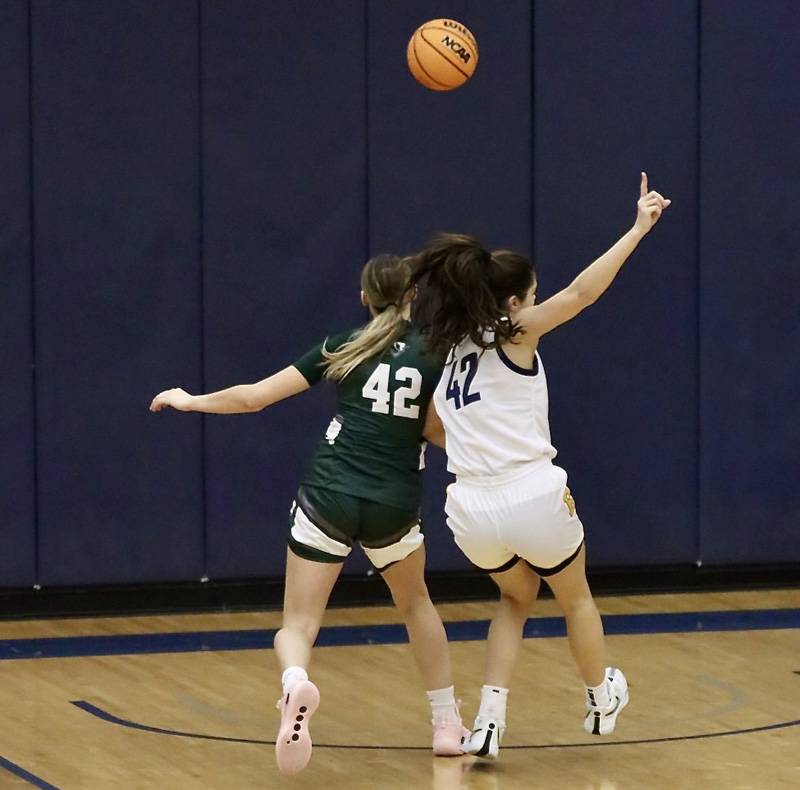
point(184, 702)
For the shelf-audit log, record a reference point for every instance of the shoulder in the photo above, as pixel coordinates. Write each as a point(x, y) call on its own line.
point(311, 364)
point(337, 340)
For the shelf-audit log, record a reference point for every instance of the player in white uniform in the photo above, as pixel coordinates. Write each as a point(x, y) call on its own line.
point(510, 510)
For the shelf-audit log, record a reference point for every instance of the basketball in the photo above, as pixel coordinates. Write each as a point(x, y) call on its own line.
point(442, 54)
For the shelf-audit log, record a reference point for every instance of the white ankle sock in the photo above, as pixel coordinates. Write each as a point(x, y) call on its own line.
point(443, 706)
point(292, 675)
point(600, 695)
point(493, 702)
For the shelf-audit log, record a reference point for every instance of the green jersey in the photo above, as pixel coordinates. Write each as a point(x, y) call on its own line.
point(373, 448)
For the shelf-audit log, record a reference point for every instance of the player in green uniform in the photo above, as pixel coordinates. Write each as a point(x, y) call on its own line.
point(363, 484)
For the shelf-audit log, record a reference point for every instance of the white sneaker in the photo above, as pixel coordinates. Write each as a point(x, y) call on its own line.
point(485, 738)
point(601, 721)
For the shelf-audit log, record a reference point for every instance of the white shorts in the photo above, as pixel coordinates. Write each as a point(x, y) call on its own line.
point(532, 517)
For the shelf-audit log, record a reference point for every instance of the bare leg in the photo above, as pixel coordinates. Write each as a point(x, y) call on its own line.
point(584, 627)
point(406, 581)
point(519, 587)
point(308, 587)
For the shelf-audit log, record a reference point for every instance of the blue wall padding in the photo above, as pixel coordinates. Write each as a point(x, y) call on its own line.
point(117, 289)
point(450, 161)
point(749, 307)
point(17, 440)
point(208, 178)
point(615, 88)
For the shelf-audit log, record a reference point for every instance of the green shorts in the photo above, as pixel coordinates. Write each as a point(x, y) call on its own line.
point(325, 524)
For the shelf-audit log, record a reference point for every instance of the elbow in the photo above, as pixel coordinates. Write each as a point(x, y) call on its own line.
point(583, 296)
point(251, 402)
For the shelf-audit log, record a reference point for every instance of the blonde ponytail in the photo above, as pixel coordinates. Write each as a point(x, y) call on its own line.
point(385, 283)
point(369, 341)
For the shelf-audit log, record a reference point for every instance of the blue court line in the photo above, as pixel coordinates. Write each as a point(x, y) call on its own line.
point(23, 774)
point(112, 719)
point(387, 634)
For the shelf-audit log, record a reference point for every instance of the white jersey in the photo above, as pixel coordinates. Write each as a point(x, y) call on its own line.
point(494, 413)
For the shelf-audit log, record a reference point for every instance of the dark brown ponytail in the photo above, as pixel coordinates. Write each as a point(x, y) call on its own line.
point(464, 290)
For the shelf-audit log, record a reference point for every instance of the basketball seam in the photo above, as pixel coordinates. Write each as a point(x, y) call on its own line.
point(422, 68)
point(443, 56)
point(468, 42)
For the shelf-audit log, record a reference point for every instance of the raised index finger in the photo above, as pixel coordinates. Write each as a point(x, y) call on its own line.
point(643, 186)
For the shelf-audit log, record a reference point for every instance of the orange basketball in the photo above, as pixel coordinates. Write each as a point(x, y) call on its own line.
point(442, 54)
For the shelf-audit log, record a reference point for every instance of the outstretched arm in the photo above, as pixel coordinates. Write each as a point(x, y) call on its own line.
point(240, 399)
point(595, 279)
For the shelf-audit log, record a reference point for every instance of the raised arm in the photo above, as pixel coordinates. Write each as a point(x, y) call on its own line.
point(595, 279)
point(241, 399)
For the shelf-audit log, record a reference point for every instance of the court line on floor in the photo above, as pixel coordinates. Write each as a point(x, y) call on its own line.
point(387, 634)
point(93, 710)
point(26, 775)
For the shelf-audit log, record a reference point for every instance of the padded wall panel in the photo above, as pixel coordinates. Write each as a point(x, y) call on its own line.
point(615, 87)
point(449, 161)
point(284, 164)
point(17, 535)
point(117, 289)
point(750, 367)
point(457, 160)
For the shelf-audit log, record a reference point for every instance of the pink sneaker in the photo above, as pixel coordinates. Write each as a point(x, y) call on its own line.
point(447, 739)
point(293, 744)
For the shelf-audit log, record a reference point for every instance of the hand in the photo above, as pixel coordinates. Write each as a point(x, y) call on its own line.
point(649, 208)
point(177, 398)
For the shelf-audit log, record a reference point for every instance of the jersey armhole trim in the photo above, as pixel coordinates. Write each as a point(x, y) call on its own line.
point(534, 371)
